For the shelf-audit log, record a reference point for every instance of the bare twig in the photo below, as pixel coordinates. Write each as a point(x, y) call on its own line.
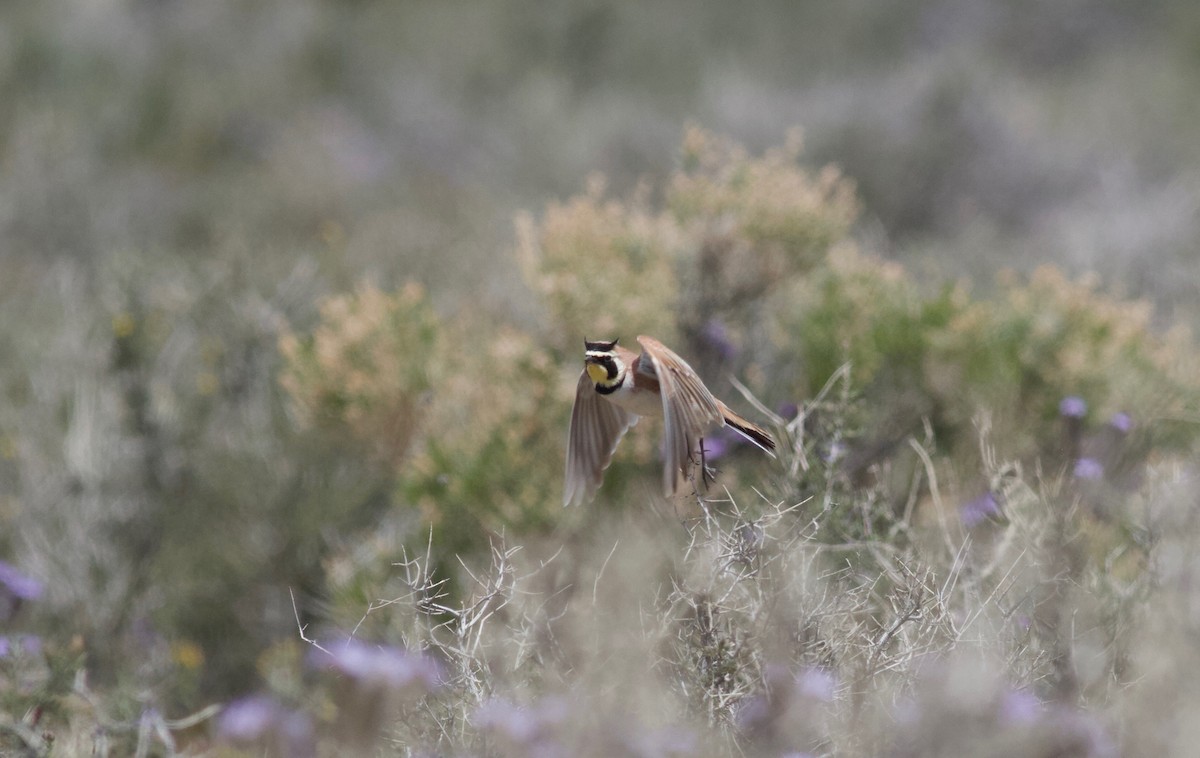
point(935, 493)
point(303, 627)
point(600, 573)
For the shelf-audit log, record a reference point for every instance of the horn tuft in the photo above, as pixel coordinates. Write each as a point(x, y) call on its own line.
point(599, 345)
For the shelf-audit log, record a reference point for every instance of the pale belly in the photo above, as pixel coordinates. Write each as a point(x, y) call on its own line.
point(641, 402)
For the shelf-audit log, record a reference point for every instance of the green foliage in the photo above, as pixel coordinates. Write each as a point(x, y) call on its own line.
point(1014, 357)
point(493, 440)
point(861, 310)
point(1039, 341)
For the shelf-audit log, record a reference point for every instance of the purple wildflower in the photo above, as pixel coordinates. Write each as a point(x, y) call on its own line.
point(1088, 468)
point(262, 722)
point(1121, 422)
point(249, 719)
point(721, 443)
point(24, 644)
point(788, 411)
point(816, 684)
point(1020, 707)
point(716, 446)
point(383, 668)
point(373, 681)
point(716, 336)
point(907, 712)
point(14, 583)
point(516, 724)
point(15, 589)
point(979, 510)
point(1073, 406)
point(297, 735)
point(520, 726)
point(783, 692)
point(757, 715)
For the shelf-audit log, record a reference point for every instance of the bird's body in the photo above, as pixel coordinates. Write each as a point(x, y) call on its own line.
point(617, 387)
point(636, 389)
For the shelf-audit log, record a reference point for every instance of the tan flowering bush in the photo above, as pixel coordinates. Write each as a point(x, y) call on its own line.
point(754, 223)
point(734, 228)
point(473, 434)
point(492, 453)
point(603, 268)
point(366, 366)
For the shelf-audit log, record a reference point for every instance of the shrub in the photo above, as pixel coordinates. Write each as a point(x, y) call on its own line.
point(1047, 338)
point(366, 367)
point(602, 268)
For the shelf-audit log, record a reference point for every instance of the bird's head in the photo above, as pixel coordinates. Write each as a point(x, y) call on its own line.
point(602, 364)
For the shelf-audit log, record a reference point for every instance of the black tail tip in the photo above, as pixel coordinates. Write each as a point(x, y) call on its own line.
point(760, 438)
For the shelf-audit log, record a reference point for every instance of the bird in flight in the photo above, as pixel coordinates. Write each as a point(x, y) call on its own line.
point(617, 387)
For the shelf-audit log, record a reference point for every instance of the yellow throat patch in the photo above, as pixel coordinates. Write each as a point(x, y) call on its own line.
point(597, 373)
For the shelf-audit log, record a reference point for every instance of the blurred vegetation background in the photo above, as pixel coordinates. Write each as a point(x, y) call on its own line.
point(283, 285)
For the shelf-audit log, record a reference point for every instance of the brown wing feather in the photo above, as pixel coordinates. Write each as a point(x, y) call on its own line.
point(596, 427)
point(689, 410)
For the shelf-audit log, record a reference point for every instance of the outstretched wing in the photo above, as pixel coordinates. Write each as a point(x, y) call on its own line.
point(689, 410)
point(596, 427)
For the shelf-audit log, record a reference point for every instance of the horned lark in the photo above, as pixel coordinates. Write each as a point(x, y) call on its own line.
point(617, 387)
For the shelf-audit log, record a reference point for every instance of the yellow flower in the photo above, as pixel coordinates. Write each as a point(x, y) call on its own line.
point(123, 325)
point(187, 654)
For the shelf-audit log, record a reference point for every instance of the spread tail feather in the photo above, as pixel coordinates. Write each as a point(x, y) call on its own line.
point(757, 436)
